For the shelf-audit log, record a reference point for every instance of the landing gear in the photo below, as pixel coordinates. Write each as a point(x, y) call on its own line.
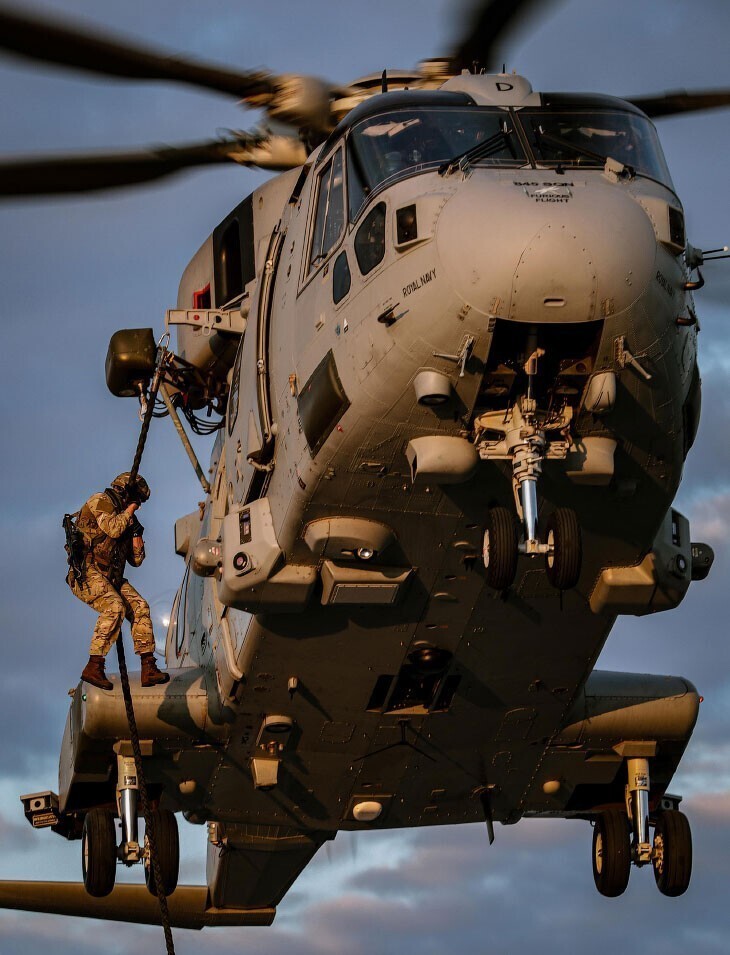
point(672, 853)
point(99, 853)
point(621, 838)
point(565, 552)
point(500, 548)
point(167, 844)
point(527, 436)
point(611, 853)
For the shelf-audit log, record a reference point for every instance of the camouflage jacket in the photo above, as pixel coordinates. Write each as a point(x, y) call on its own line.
point(109, 547)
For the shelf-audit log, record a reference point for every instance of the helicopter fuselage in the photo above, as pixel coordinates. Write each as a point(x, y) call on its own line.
point(439, 327)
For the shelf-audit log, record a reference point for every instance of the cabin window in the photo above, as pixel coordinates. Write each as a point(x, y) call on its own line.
point(231, 271)
point(177, 618)
point(233, 254)
point(329, 220)
point(370, 239)
point(341, 279)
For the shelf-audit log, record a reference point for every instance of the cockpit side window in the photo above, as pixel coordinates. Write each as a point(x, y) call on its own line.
point(329, 220)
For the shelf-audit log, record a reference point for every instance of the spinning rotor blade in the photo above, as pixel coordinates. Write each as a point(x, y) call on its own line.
point(53, 42)
point(489, 24)
point(189, 906)
point(680, 101)
point(57, 175)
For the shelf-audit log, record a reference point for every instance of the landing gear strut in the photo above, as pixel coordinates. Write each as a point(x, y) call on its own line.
point(528, 436)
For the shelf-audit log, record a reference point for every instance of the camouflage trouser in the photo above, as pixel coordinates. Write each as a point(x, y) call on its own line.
point(113, 606)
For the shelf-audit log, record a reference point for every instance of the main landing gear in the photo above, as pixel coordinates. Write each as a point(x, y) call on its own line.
point(527, 436)
point(622, 838)
point(99, 851)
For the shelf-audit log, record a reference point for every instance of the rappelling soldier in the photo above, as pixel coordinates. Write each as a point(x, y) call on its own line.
point(112, 538)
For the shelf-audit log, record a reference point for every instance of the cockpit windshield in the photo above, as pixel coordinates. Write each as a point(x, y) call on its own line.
point(405, 141)
point(410, 140)
point(589, 137)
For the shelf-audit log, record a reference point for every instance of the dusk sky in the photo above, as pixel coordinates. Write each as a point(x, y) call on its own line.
point(74, 270)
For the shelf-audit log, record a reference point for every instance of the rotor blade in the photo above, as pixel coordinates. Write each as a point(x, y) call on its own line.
point(188, 905)
point(488, 25)
point(57, 175)
point(51, 41)
point(680, 101)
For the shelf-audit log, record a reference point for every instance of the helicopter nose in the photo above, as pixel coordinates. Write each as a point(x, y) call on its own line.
point(546, 251)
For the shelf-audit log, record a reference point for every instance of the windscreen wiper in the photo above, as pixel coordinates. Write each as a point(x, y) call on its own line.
point(481, 151)
point(541, 137)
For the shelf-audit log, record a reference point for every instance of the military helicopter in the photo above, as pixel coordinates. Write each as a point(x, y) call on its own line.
point(416, 539)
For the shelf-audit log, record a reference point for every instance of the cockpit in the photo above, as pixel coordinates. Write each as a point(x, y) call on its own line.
point(404, 134)
point(406, 141)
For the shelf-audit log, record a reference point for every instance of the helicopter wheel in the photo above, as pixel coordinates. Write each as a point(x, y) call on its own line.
point(672, 855)
point(99, 853)
point(499, 550)
point(167, 844)
point(563, 560)
point(611, 853)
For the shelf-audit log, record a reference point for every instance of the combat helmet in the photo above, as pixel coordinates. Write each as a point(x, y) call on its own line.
point(141, 487)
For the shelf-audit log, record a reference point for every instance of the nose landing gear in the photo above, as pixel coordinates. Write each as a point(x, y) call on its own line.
point(527, 439)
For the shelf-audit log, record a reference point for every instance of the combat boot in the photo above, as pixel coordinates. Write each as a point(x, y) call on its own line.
point(151, 676)
point(95, 675)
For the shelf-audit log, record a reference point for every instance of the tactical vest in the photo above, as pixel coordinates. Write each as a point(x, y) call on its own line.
point(108, 554)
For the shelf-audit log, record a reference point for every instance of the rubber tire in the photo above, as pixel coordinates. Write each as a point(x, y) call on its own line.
point(168, 852)
point(500, 539)
point(611, 853)
point(674, 870)
point(99, 853)
point(563, 565)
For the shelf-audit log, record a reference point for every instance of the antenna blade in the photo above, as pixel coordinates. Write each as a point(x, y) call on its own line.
point(66, 44)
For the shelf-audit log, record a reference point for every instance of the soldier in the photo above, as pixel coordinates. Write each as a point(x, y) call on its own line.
point(112, 538)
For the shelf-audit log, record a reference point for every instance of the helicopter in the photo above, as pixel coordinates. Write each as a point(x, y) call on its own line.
point(359, 556)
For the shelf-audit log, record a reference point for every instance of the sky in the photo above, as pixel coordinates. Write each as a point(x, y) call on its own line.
point(72, 271)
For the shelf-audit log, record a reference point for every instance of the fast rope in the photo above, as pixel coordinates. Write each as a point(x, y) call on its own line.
point(162, 358)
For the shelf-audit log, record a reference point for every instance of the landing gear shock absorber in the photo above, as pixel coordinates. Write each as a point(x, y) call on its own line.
point(637, 798)
point(127, 799)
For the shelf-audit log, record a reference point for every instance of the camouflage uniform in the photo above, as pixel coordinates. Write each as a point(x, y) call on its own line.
point(103, 521)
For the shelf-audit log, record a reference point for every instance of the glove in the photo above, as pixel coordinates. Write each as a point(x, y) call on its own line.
point(135, 527)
